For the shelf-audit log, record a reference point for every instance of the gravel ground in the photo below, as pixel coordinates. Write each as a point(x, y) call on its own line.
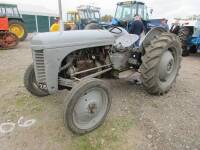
point(137, 120)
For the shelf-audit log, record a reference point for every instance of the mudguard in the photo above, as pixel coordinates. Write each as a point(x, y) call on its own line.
point(150, 36)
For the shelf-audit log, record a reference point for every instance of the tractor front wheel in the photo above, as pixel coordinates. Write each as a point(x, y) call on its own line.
point(31, 84)
point(161, 63)
point(17, 27)
point(87, 106)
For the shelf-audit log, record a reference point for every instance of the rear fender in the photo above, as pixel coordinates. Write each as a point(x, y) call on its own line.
point(18, 19)
point(152, 34)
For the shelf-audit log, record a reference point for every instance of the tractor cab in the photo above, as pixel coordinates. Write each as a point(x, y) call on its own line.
point(72, 16)
point(72, 19)
point(79, 19)
point(9, 10)
point(15, 20)
point(126, 11)
point(89, 14)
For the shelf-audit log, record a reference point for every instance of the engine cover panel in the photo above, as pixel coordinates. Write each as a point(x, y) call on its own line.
point(120, 60)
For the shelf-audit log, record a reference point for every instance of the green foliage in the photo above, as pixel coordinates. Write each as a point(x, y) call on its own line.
point(106, 18)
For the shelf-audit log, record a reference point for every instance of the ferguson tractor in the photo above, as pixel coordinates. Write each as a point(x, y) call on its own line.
point(15, 20)
point(76, 60)
point(8, 39)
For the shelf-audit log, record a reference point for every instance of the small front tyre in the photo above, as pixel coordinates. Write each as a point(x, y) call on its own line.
point(87, 106)
point(31, 84)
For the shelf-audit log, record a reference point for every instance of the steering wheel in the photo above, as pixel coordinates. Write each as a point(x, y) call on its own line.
point(115, 32)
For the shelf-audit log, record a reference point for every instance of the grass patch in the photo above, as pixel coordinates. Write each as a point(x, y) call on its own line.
point(29, 103)
point(109, 136)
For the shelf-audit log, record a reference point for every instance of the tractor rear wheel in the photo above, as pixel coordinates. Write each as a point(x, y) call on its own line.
point(161, 63)
point(8, 40)
point(184, 34)
point(17, 27)
point(87, 106)
point(31, 84)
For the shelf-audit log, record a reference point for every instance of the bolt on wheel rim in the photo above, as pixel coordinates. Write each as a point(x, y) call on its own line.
point(17, 30)
point(90, 108)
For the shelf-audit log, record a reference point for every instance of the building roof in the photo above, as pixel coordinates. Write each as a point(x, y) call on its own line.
point(31, 9)
point(7, 5)
point(36, 10)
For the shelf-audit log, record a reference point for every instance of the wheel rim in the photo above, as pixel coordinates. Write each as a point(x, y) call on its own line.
point(17, 30)
point(167, 67)
point(90, 108)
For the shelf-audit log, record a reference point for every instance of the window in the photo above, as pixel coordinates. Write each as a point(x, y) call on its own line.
point(15, 12)
point(146, 16)
point(83, 14)
point(71, 17)
point(91, 14)
point(9, 12)
point(97, 15)
point(125, 12)
point(2, 11)
point(118, 13)
point(133, 10)
point(141, 10)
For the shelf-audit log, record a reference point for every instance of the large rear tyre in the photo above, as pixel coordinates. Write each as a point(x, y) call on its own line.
point(31, 84)
point(184, 34)
point(87, 106)
point(161, 63)
point(8, 40)
point(18, 28)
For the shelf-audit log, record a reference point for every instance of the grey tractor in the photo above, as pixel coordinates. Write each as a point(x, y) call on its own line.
point(77, 61)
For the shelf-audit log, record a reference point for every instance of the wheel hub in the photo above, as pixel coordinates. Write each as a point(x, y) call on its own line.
point(17, 30)
point(90, 108)
point(166, 66)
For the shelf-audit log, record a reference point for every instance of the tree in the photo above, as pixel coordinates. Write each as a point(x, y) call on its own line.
point(106, 18)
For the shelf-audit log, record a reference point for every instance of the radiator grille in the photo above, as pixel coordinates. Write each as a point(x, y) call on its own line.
point(39, 66)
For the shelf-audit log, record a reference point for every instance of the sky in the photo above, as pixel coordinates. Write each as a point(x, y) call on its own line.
point(162, 8)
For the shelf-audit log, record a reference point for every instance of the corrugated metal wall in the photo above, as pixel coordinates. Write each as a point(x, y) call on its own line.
point(35, 23)
point(43, 23)
point(30, 23)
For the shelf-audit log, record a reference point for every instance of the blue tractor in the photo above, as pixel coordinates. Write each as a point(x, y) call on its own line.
point(124, 16)
point(189, 35)
point(126, 11)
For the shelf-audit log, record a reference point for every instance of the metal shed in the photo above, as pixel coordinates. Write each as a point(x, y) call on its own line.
point(38, 22)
